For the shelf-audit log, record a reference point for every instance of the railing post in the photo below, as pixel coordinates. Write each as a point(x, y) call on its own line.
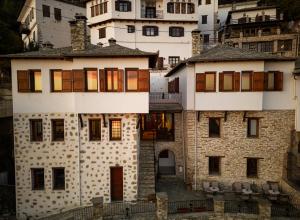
point(161, 206)
point(219, 206)
point(97, 208)
point(264, 208)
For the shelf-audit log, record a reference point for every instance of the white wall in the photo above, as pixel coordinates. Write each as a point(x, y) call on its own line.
point(210, 10)
point(158, 81)
point(45, 102)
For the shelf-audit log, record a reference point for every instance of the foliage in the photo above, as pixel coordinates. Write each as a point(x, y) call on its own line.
point(290, 8)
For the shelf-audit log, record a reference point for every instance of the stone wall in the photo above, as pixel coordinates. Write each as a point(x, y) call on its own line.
point(91, 159)
point(234, 146)
point(175, 146)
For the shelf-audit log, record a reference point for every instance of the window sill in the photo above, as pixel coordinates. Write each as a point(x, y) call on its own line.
point(214, 137)
point(214, 174)
point(60, 141)
point(119, 140)
point(252, 177)
point(31, 141)
point(58, 189)
point(95, 140)
point(253, 137)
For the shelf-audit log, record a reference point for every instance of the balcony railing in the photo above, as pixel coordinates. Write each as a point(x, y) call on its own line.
point(262, 18)
point(161, 97)
point(24, 29)
point(159, 14)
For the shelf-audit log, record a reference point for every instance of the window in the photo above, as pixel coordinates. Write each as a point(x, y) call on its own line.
point(204, 19)
point(130, 28)
point(36, 129)
point(206, 38)
point(112, 80)
point(58, 130)
point(214, 127)
point(92, 80)
point(177, 8)
point(99, 9)
point(252, 167)
point(273, 81)
point(46, 11)
point(29, 80)
point(199, 2)
point(150, 12)
point(246, 81)
point(173, 60)
point(164, 154)
point(176, 31)
point(57, 14)
point(270, 81)
point(123, 6)
point(228, 81)
point(102, 33)
point(210, 82)
point(150, 31)
point(56, 78)
point(253, 127)
point(183, 8)
point(190, 8)
point(208, 2)
point(93, 11)
point(214, 165)
point(115, 127)
point(95, 129)
point(285, 45)
point(131, 79)
point(58, 175)
point(266, 46)
point(170, 7)
point(37, 179)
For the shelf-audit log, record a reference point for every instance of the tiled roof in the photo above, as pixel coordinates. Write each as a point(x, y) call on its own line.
point(224, 53)
point(92, 51)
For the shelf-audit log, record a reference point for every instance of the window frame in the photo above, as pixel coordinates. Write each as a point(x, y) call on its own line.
point(52, 80)
point(171, 7)
point(155, 31)
point(249, 127)
point(210, 73)
point(248, 175)
point(126, 82)
point(250, 73)
point(130, 29)
point(176, 31)
point(91, 137)
point(232, 81)
point(212, 172)
point(32, 139)
point(209, 129)
point(171, 60)
point(53, 138)
point(57, 14)
point(111, 138)
point(46, 11)
point(112, 80)
point(102, 32)
point(204, 21)
point(86, 79)
point(54, 187)
point(33, 188)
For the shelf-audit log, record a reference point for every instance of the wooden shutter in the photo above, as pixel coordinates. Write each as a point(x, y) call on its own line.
point(221, 82)
point(237, 79)
point(278, 77)
point(23, 81)
point(144, 80)
point(120, 80)
point(200, 82)
point(78, 80)
point(258, 81)
point(176, 88)
point(102, 82)
point(67, 80)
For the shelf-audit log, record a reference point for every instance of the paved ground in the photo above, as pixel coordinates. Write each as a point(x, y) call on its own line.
point(176, 189)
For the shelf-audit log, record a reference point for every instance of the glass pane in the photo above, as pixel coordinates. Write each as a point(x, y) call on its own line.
point(210, 81)
point(253, 127)
point(227, 81)
point(270, 81)
point(109, 80)
point(132, 80)
point(115, 129)
point(57, 80)
point(37, 81)
point(245, 81)
point(92, 80)
point(115, 80)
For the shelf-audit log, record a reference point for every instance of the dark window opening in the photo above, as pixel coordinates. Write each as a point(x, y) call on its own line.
point(206, 38)
point(95, 129)
point(214, 165)
point(36, 129)
point(150, 12)
point(252, 167)
point(150, 31)
point(57, 14)
point(46, 11)
point(176, 31)
point(58, 130)
point(58, 175)
point(204, 19)
point(130, 28)
point(214, 127)
point(173, 60)
point(102, 33)
point(164, 154)
point(37, 179)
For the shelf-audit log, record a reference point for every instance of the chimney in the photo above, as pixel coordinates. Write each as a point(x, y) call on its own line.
point(78, 33)
point(197, 42)
point(112, 41)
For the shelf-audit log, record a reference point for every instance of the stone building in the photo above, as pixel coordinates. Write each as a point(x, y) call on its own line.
point(260, 29)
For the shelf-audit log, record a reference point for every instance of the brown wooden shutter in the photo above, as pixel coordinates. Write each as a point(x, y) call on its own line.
point(221, 82)
point(102, 82)
point(144, 81)
point(278, 81)
point(258, 81)
point(176, 87)
point(67, 80)
point(78, 80)
point(23, 81)
point(200, 82)
point(237, 79)
point(120, 80)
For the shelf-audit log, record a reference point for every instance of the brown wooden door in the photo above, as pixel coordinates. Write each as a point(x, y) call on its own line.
point(116, 183)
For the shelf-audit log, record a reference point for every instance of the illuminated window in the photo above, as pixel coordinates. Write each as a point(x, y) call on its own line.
point(112, 79)
point(29, 80)
point(57, 80)
point(92, 80)
point(58, 130)
point(210, 82)
point(131, 80)
point(246, 81)
point(115, 128)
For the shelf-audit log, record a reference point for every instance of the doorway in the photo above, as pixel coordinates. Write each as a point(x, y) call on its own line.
point(116, 183)
point(166, 163)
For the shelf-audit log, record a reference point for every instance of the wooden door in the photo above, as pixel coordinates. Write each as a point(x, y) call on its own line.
point(116, 183)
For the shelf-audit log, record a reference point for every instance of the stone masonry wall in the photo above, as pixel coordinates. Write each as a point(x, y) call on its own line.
point(96, 158)
point(234, 146)
point(175, 146)
point(91, 159)
point(45, 154)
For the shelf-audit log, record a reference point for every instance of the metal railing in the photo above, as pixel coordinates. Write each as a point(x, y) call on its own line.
point(204, 205)
point(244, 20)
point(161, 97)
point(159, 14)
point(246, 207)
point(7, 199)
point(284, 210)
point(82, 213)
point(127, 209)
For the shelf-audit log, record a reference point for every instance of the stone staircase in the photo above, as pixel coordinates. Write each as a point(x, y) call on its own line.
point(146, 170)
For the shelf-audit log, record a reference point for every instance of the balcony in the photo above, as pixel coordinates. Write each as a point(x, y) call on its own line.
point(152, 13)
point(160, 101)
point(262, 18)
point(24, 29)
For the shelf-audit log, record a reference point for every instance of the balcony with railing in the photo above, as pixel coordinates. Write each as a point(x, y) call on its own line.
point(261, 18)
point(152, 13)
point(163, 98)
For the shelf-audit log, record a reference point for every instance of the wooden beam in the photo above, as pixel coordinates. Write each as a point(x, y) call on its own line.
point(138, 121)
point(244, 116)
point(198, 116)
point(225, 116)
point(104, 121)
point(81, 121)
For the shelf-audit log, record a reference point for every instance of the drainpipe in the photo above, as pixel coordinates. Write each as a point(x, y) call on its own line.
point(195, 124)
point(296, 101)
point(79, 165)
point(183, 142)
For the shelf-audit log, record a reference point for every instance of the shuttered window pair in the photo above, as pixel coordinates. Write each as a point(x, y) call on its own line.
point(173, 86)
point(74, 80)
point(206, 82)
point(266, 81)
point(29, 80)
